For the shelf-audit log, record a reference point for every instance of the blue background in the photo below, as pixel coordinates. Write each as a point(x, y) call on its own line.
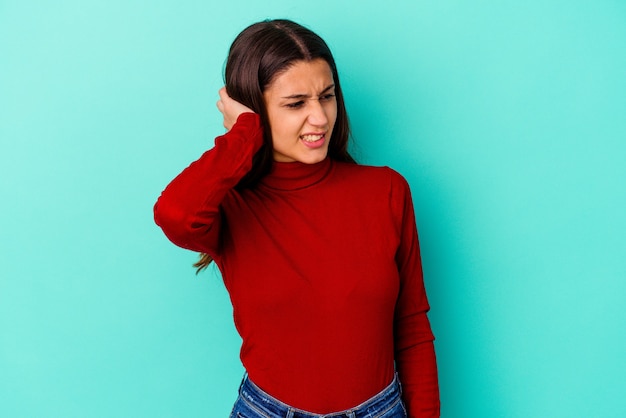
point(506, 117)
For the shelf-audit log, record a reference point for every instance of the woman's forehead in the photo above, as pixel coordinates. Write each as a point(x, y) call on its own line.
point(303, 77)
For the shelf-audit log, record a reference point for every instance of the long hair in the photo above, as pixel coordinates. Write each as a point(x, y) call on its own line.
point(257, 56)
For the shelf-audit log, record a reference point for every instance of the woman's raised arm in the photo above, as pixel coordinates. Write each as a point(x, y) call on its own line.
point(188, 209)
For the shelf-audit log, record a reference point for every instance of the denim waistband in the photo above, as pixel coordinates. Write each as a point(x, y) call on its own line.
point(267, 406)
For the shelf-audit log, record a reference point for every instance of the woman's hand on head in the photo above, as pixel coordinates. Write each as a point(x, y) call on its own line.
point(230, 109)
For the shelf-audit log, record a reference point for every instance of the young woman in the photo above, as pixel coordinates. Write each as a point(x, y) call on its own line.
point(320, 255)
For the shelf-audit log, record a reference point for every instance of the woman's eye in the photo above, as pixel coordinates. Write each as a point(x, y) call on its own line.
point(295, 105)
point(327, 97)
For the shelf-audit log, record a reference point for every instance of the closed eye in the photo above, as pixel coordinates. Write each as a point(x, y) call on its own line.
point(323, 98)
point(295, 105)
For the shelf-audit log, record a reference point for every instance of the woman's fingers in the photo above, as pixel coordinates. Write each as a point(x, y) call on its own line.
point(230, 109)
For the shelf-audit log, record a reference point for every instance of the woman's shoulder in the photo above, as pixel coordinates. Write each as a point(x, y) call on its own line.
point(371, 175)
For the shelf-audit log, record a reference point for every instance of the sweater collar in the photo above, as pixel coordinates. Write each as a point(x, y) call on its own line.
point(296, 175)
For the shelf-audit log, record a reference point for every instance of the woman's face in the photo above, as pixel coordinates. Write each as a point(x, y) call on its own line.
point(302, 110)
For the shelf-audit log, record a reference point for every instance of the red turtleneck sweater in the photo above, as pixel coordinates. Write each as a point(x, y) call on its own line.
point(322, 265)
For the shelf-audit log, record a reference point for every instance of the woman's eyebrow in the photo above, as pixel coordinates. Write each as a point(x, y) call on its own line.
point(306, 96)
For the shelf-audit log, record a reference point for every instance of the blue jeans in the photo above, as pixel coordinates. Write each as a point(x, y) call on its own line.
point(254, 403)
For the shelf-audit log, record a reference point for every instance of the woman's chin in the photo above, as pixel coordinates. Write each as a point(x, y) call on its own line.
point(306, 157)
point(313, 159)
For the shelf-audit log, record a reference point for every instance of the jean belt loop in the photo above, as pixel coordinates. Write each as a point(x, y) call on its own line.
point(398, 383)
point(289, 413)
point(245, 376)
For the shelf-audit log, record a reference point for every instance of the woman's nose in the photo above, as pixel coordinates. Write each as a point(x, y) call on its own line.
point(317, 115)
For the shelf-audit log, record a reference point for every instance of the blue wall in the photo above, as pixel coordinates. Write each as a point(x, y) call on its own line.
point(507, 118)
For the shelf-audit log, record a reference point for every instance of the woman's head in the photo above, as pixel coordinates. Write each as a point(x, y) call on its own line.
point(263, 52)
point(302, 109)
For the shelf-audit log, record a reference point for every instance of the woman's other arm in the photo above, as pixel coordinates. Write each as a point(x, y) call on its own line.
point(414, 349)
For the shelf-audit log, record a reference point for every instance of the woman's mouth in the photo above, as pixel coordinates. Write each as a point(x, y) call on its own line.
point(313, 140)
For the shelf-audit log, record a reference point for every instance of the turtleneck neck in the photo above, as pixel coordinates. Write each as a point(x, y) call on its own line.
point(296, 175)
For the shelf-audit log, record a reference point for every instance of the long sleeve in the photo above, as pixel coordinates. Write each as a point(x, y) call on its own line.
point(414, 349)
point(188, 209)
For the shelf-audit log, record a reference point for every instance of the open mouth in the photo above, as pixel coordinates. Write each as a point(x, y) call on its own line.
point(312, 138)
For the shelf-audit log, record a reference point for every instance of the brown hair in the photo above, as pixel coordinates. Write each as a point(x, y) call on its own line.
point(261, 52)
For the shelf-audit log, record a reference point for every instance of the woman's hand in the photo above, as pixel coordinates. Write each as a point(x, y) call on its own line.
point(230, 109)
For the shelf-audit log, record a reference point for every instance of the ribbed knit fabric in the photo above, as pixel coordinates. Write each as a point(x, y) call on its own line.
point(323, 269)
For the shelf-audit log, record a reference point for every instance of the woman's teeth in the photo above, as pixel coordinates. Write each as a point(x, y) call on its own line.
point(312, 138)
